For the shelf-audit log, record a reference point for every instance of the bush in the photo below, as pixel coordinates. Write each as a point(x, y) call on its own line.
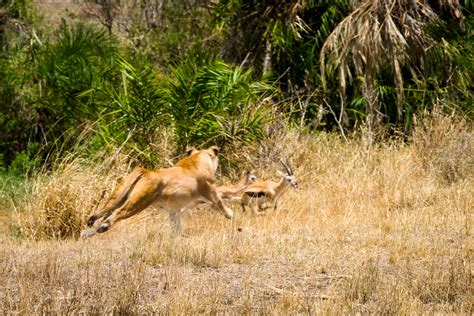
point(215, 103)
point(41, 86)
point(80, 58)
point(23, 163)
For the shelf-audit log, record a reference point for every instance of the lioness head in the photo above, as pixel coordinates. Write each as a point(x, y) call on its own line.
point(213, 151)
point(201, 160)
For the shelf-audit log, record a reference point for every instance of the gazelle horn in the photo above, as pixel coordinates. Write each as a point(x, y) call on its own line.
point(287, 166)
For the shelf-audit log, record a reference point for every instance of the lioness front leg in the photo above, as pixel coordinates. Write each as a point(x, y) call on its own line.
point(175, 219)
point(216, 200)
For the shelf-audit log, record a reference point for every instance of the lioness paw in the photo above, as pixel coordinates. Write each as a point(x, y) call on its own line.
point(229, 213)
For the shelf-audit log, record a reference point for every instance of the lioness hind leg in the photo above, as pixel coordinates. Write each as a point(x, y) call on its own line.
point(133, 206)
point(91, 220)
point(137, 200)
point(118, 196)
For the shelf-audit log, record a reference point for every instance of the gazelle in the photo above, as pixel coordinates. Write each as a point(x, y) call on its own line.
point(269, 191)
point(230, 192)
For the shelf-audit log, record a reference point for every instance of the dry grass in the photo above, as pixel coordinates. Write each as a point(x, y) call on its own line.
point(59, 202)
point(446, 146)
point(374, 231)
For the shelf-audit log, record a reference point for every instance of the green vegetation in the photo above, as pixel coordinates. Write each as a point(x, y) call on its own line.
point(199, 73)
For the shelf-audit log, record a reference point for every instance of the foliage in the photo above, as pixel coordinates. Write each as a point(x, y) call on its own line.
point(212, 102)
point(41, 86)
point(13, 119)
point(80, 58)
point(204, 101)
point(198, 72)
point(166, 31)
point(374, 43)
point(133, 103)
point(16, 115)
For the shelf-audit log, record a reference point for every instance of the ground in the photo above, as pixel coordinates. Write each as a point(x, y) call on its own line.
point(368, 231)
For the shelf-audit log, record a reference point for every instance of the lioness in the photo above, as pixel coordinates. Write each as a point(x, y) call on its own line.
point(172, 189)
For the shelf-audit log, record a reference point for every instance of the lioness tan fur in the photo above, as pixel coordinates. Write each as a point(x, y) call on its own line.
point(172, 189)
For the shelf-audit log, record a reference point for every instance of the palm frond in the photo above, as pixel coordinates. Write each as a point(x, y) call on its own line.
point(207, 97)
point(381, 34)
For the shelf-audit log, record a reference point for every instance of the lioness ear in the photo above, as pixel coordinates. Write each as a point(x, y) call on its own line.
point(215, 149)
point(191, 151)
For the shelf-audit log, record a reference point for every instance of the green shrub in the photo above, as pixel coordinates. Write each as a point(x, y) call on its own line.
point(213, 102)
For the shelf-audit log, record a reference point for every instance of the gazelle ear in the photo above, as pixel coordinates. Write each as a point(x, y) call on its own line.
point(280, 174)
point(249, 172)
point(191, 151)
point(215, 149)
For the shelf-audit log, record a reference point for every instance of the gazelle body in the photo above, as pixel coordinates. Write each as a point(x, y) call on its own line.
point(269, 191)
point(230, 192)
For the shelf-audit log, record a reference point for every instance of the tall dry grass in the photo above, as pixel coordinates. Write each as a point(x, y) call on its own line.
point(445, 145)
point(371, 231)
point(59, 201)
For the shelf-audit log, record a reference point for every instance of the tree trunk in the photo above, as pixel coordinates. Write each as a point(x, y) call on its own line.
point(267, 60)
point(370, 98)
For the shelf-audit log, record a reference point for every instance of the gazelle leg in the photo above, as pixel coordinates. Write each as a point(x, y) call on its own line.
point(257, 207)
point(244, 201)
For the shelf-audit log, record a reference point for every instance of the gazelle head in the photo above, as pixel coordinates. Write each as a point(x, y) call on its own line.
point(250, 177)
point(289, 177)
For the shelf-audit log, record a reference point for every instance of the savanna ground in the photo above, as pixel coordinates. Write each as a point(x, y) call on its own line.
point(380, 230)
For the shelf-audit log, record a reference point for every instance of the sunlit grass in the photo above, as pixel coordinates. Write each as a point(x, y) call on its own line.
point(374, 231)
